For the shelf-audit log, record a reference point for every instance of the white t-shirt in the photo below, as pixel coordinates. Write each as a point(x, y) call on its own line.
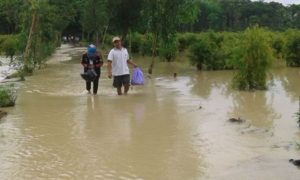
point(119, 58)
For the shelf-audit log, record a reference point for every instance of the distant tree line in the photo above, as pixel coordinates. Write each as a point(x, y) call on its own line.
point(92, 18)
point(236, 15)
point(34, 28)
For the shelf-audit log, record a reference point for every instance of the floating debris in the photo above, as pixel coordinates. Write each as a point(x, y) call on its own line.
point(2, 114)
point(236, 120)
point(295, 162)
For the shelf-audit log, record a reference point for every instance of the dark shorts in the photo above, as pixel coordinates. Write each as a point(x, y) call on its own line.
point(123, 80)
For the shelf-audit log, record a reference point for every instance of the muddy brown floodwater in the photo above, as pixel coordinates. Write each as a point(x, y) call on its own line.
point(158, 132)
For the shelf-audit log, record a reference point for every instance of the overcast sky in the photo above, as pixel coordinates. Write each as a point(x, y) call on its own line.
point(285, 2)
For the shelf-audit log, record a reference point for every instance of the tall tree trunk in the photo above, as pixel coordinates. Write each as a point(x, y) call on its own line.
point(29, 41)
point(125, 32)
point(58, 39)
point(154, 44)
point(88, 36)
point(130, 42)
point(82, 35)
point(97, 38)
point(104, 35)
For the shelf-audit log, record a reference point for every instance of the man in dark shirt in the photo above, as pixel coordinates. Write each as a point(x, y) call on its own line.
point(92, 59)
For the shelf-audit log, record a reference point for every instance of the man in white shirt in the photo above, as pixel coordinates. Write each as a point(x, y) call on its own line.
point(118, 60)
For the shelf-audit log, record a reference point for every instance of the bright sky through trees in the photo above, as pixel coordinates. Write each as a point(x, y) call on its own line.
point(285, 2)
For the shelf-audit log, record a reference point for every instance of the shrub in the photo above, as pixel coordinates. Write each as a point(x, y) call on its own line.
point(208, 53)
point(292, 48)
point(108, 40)
point(146, 44)
point(8, 45)
point(229, 48)
point(200, 52)
point(136, 42)
point(185, 40)
point(252, 59)
point(278, 44)
point(7, 96)
point(168, 49)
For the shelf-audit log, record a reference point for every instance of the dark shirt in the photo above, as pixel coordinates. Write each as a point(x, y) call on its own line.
point(97, 62)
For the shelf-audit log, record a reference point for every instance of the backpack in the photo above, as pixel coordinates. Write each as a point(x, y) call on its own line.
point(137, 77)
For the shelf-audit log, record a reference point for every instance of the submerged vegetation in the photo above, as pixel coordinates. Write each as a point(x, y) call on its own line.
point(252, 60)
point(292, 48)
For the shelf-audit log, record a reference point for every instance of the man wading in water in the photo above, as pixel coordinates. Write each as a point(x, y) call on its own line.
point(118, 60)
point(92, 60)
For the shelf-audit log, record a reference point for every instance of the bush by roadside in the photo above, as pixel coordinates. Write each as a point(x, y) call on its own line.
point(7, 96)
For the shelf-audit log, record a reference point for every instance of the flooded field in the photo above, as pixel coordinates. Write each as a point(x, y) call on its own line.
point(168, 129)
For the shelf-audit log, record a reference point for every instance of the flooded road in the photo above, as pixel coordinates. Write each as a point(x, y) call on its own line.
point(168, 129)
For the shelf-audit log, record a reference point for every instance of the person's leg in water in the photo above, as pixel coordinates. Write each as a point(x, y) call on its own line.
point(95, 85)
point(119, 90)
point(126, 83)
point(88, 86)
point(126, 89)
point(118, 84)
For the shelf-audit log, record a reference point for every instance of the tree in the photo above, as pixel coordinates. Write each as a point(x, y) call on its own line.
point(292, 48)
point(42, 26)
point(10, 11)
point(252, 59)
point(124, 16)
point(164, 18)
point(94, 18)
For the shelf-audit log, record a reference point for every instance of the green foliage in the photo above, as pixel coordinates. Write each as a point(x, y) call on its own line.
point(108, 40)
point(9, 46)
point(168, 49)
point(41, 28)
point(125, 16)
point(10, 12)
point(136, 42)
point(146, 45)
point(184, 40)
point(252, 59)
point(278, 42)
point(199, 53)
point(7, 96)
point(94, 18)
point(164, 18)
point(236, 15)
point(292, 48)
point(208, 52)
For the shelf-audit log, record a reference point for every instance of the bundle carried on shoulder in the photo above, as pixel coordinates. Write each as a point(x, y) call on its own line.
point(137, 77)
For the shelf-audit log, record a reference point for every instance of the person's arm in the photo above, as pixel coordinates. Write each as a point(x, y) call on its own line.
point(109, 68)
point(100, 64)
point(109, 63)
point(82, 62)
point(129, 61)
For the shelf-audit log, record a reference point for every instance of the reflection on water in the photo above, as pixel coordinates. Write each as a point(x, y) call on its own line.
point(158, 131)
point(289, 78)
point(254, 107)
point(204, 82)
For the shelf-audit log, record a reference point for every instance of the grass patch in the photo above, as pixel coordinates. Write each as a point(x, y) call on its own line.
point(7, 96)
